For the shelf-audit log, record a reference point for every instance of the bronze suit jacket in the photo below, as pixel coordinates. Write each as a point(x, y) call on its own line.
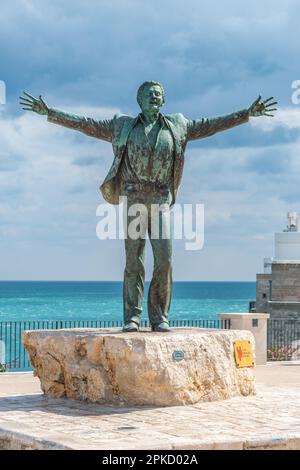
point(117, 130)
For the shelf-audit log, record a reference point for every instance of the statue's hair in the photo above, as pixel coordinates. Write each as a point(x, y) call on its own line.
point(148, 84)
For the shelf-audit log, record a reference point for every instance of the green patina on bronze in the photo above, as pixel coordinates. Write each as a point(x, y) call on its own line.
point(147, 168)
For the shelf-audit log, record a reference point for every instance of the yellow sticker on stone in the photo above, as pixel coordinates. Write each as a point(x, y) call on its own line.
point(243, 353)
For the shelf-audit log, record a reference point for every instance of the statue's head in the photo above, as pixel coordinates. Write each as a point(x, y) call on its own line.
point(150, 96)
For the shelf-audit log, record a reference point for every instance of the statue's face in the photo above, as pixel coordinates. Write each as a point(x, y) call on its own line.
point(152, 99)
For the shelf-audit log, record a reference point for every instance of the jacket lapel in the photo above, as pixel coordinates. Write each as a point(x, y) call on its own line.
point(175, 134)
point(126, 129)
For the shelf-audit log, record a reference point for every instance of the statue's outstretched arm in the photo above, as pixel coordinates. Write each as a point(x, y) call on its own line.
point(102, 129)
point(200, 128)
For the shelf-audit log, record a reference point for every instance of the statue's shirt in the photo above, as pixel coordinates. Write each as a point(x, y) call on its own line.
point(149, 158)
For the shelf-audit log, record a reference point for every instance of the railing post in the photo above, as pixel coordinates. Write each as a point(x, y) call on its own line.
point(59, 325)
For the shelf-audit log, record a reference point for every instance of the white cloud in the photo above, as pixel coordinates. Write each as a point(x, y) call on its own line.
point(44, 187)
point(286, 117)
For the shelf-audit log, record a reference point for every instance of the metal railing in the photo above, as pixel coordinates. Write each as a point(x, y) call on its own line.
point(283, 339)
point(13, 355)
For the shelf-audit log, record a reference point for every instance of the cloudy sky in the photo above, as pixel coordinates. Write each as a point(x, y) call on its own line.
point(89, 57)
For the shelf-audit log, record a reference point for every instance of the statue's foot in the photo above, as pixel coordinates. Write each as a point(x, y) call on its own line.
point(162, 327)
point(130, 327)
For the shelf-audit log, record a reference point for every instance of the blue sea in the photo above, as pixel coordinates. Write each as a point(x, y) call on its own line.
point(36, 300)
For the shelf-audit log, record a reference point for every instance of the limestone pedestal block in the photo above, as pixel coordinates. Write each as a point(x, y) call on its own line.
point(107, 366)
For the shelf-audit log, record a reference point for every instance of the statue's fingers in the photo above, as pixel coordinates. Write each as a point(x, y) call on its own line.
point(271, 115)
point(25, 99)
point(41, 99)
point(29, 95)
point(273, 109)
point(271, 104)
point(27, 103)
point(28, 109)
point(269, 99)
point(24, 104)
point(257, 100)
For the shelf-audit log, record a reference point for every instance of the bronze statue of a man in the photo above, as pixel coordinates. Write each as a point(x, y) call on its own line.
point(147, 168)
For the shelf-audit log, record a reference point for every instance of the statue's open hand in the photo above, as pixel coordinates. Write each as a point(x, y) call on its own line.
point(33, 104)
point(262, 108)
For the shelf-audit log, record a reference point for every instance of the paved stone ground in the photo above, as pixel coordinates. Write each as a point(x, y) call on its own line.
point(271, 419)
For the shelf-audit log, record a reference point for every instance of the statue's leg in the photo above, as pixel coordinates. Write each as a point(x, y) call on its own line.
point(160, 290)
point(134, 276)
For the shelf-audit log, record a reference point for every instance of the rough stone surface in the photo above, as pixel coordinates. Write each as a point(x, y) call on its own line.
point(107, 366)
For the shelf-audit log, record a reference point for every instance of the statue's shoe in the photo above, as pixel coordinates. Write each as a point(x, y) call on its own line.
point(130, 327)
point(162, 327)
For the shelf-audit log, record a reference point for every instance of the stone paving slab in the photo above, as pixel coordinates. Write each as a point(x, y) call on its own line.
point(12, 383)
point(269, 420)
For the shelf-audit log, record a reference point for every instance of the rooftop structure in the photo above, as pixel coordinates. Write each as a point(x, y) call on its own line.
point(278, 288)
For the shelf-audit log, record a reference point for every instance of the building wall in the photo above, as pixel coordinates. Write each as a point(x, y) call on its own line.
point(262, 292)
point(282, 301)
point(285, 282)
point(286, 310)
point(287, 246)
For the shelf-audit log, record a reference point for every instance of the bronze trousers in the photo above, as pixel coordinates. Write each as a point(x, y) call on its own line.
point(156, 224)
